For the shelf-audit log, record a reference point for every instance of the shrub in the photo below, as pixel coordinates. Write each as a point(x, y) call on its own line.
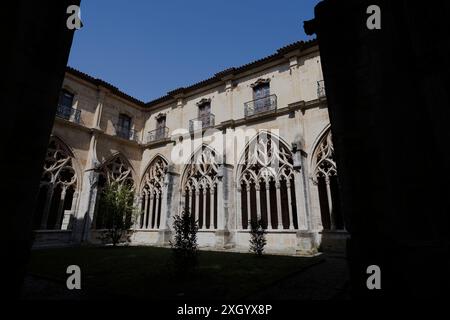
point(257, 237)
point(184, 244)
point(117, 211)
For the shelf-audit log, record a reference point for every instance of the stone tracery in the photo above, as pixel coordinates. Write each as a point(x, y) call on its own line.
point(199, 187)
point(266, 183)
point(57, 188)
point(325, 178)
point(152, 194)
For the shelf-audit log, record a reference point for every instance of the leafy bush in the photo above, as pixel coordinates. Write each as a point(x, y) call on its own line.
point(117, 211)
point(184, 244)
point(257, 237)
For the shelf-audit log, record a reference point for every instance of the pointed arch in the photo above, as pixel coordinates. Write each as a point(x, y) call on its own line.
point(58, 191)
point(149, 164)
point(152, 192)
point(199, 186)
point(115, 169)
point(266, 183)
point(324, 176)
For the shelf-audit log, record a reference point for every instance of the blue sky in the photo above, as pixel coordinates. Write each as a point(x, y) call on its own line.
point(147, 48)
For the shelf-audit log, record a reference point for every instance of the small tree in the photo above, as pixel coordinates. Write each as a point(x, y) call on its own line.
point(257, 237)
point(184, 244)
point(117, 211)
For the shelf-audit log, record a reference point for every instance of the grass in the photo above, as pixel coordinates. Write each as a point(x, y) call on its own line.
point(148, 272)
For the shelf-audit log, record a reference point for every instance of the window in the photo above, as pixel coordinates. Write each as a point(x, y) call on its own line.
point(65, 103)
point(261, 96)
point(160, 127)
point(65, 99)
point(204, 113)
point(124, 126)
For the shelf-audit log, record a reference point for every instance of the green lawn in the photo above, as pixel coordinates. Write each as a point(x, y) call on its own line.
point(147, 272)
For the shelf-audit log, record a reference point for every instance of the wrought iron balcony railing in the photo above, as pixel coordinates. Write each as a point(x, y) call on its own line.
point(203, 122)
point(268, 103)
point(157, 134)
point(321, 89)
point(68, 113)
point(126, 133)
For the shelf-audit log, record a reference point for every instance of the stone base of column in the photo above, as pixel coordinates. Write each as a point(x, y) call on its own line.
point(334, 241)
point(164, 237)
point(307, 243)
point(222, 237)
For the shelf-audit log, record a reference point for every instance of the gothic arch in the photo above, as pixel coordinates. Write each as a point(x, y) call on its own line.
point(115, 169)
point(266, 184)
point(158, 155)
point(252, 141)
point(324, 176)
point(199, 186)
point(151, 193)
point(59, 187)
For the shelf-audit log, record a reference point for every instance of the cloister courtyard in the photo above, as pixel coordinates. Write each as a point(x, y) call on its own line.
point(149, 272)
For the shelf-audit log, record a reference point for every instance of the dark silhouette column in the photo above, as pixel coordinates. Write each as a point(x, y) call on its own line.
point(36, 45)
point(388, 99)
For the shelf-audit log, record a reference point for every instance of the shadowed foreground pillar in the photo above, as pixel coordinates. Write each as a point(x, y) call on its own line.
point(36, 44)
point(388, 99)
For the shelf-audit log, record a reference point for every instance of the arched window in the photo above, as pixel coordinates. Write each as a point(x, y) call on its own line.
point(151, 194)
point(325, 177)
point(57, 188)
point(199, 187)
point(266, 186)
point(114, 170)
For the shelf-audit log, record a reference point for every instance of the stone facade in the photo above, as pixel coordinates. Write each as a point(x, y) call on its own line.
point(251, 142)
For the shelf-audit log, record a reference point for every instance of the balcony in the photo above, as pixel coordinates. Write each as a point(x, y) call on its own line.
point(68, 113)
point(268, 103)
point(157, 134)
point(321, 89)
point(203, 122)
point(126, 133)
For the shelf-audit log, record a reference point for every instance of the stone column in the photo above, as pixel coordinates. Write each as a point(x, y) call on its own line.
point(59, 214)
point(204, 208)
point(222, 233)
point(269, 212)
point(211, 208)
point(258, 201)
point(238, 208)
point(150, 213)
point(164, 198)
point(144, 214)
point(291, 216)
point(155, 216)
point(48, 203)
point(88, 197)
point(190, 196)
point(68, 218)
point(101, 95)
point(197, 205)
point(330, 203)
point(279, 217)
point(249, 206)
point(169, 198)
